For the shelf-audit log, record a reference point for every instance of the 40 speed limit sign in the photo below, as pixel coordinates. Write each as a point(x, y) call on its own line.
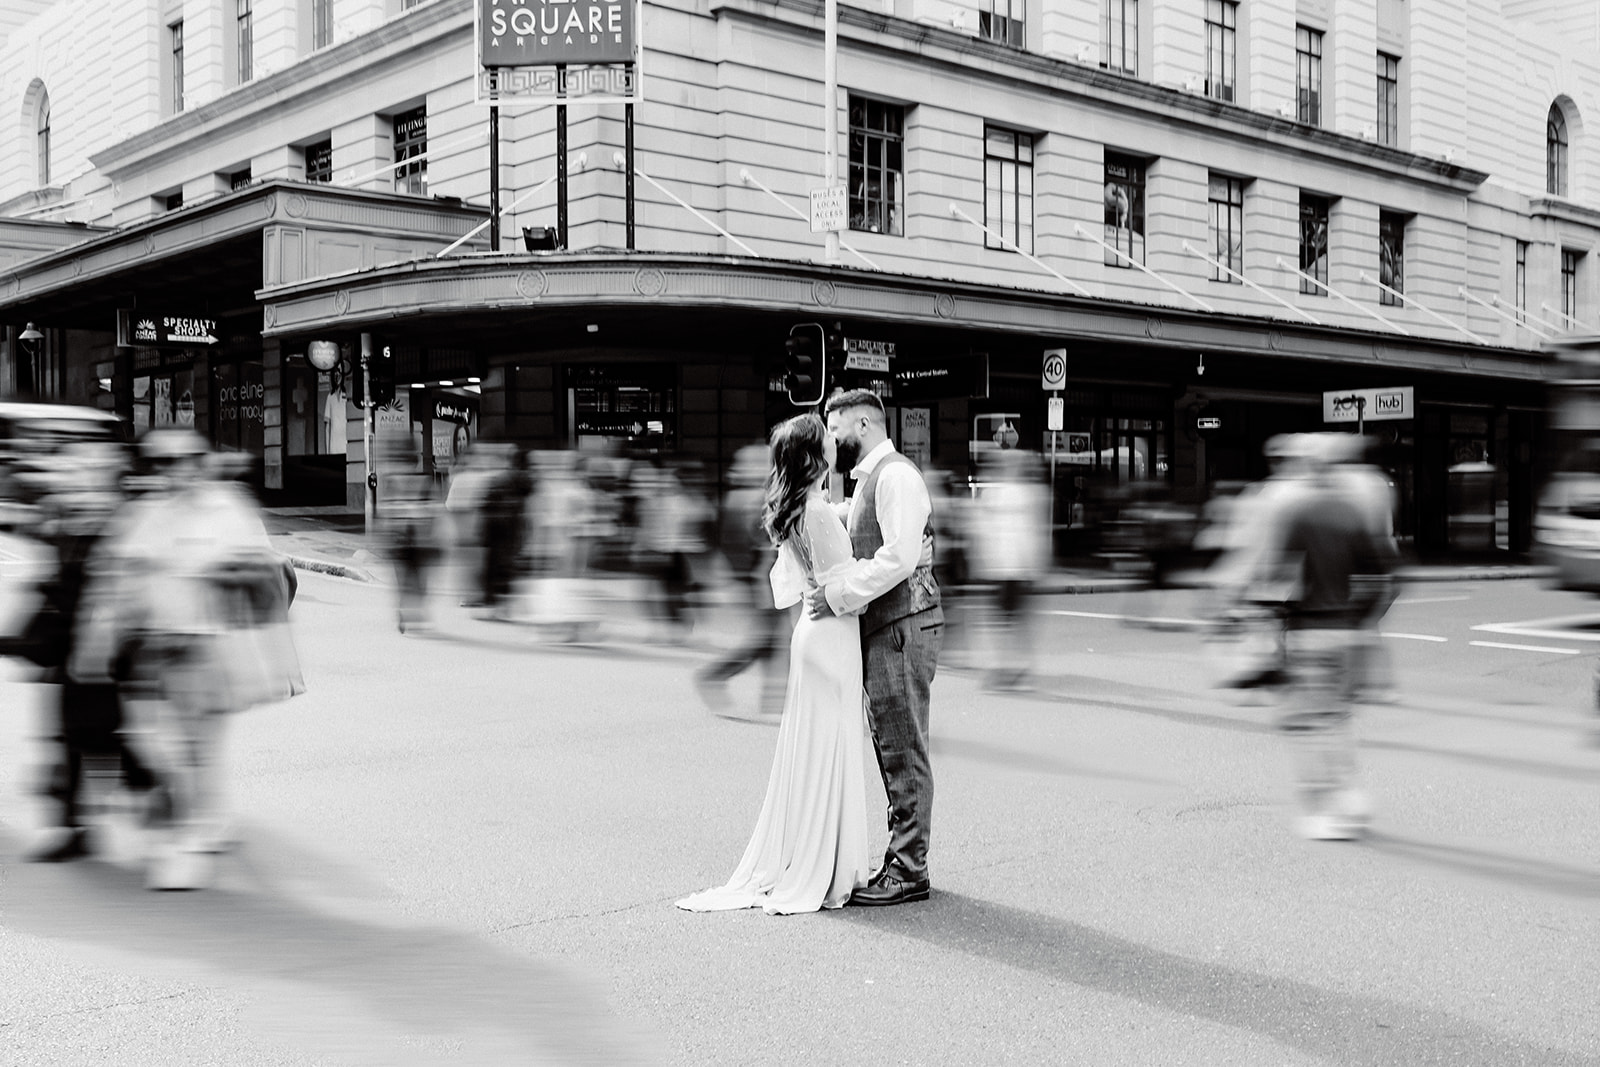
point(1055, 368)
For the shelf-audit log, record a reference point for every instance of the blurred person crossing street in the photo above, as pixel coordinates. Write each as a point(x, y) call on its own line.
point(186, 607)
point(750, 555)
point(1010, 552)
point(1322, 548)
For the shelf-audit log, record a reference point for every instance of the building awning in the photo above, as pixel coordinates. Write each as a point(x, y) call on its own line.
point(524, 296)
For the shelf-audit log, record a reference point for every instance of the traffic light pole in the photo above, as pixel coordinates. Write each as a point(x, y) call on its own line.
point(367, 430)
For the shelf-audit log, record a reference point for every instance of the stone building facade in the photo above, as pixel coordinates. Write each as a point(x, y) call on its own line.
point(1298, 197)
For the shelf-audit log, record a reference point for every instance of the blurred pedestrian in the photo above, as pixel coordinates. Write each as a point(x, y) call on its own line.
point(410, 520)
point(84, 493)
point(750, 555)
point(952, 564)
point(1324, 549)
point(505, 525)
point(669, 535)
point(186, 606)
point(1354, 473)
point(1010, 551)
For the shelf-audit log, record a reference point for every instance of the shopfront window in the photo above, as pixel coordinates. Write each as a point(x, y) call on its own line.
point(163, 393)
point(627, 405)
point(237, 406)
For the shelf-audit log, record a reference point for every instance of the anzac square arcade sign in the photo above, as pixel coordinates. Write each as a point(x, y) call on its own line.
point(532, 33)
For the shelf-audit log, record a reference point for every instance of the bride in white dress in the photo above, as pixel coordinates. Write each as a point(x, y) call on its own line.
point(810, 848)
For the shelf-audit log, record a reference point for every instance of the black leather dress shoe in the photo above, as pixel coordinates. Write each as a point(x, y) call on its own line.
point(886, 889)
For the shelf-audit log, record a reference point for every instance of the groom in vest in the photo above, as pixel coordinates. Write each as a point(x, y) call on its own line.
point(902, 626)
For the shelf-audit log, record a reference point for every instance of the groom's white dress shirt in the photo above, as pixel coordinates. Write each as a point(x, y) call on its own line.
point(903, 510)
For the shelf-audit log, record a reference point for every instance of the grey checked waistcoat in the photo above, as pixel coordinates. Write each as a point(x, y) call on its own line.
point(917, 593)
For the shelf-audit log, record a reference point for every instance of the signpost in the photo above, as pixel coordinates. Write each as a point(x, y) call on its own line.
point(583, 50)
point(1361, 405)
point(163, 327)
point(1054, 379)
point(828, 210)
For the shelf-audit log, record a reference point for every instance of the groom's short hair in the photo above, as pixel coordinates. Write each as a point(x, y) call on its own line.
point(854, 398)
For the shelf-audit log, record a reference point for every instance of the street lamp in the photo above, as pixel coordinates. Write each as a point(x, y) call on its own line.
point(29, 340)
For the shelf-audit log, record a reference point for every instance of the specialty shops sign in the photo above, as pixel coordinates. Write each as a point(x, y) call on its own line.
point(531, 33)
point(156, 328)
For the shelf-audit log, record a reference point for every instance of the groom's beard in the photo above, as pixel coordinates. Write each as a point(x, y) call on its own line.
point(847, 456)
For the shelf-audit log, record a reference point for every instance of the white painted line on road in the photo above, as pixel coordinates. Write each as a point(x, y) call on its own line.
point(1413, 637)
point(1562, 628)
point(1527, 648)
point(1129, 618)
point(1430, 599)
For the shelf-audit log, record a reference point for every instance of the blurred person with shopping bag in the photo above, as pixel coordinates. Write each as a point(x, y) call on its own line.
point(186, 607)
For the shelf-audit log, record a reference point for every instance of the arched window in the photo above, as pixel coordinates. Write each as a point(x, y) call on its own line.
point(1555, 152)
point(42, 128)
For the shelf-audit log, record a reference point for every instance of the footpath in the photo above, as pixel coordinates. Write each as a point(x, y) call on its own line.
point(333, 541)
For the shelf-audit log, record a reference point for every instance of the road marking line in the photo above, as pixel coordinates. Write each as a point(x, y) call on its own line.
point(1527, 648)
point(1431, 599)
point(1555, 628)
point(1413, 637)
point(1129, 618)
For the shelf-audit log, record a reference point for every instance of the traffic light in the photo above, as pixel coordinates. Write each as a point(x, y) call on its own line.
point(381, 373)
point(805, 364)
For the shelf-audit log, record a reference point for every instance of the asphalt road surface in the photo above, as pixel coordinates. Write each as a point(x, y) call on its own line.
point(463, 848)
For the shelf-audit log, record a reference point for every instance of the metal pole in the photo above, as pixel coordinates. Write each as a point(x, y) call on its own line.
point(830, 111)
point(561, 155)
point(627, 132)
point(494, 177)
point(367, 430)
point(1361, 416)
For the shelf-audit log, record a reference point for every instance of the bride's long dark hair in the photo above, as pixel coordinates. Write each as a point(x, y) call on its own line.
point(798, 460)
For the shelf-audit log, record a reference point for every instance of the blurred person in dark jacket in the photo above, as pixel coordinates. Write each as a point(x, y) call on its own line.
point(750, 555)
point(505, 531)
point(1324, 546)
point(84, 495)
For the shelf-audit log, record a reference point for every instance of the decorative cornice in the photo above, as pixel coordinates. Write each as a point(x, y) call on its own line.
point(1564, 211)
point(453, 288)
point(934, 44)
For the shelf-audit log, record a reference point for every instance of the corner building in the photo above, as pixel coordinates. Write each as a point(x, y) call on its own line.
point(1223, 212)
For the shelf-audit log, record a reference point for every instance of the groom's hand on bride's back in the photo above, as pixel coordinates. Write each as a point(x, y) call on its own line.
point(817, 604)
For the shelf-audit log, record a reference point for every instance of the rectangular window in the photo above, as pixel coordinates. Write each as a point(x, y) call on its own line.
point(1222, 57)
point(1001, 20)
point(410, 141)
point(1313, 244)
point(1388, 99)
point(176, 30)
point(1391, 256)
point(319, 161)
point(1008, 187)
point(1227, 226)
point(321, 23)
point(1308, 75)
point(877, 149)
point(1119, 36)
point(173, 201)
point(245, 30)
point(239, 179)
point(1569, 287)
point(1521, 282)
point(1124, 210)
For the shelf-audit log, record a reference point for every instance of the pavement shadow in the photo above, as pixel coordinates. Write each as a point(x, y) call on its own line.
point(1345, 1028)
point(1523, 872)
point(436, 982)
point(1037, 762)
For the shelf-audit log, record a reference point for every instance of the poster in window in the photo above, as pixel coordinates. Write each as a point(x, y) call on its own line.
point(916, 435)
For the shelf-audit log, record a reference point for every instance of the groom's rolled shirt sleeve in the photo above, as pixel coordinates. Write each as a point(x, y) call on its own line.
point(903, 509)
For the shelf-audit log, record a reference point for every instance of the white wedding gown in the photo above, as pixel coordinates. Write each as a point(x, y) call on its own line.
point(810, 847)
